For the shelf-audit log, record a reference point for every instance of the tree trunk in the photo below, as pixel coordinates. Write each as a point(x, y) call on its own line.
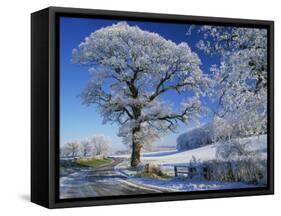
point(136, 150)
point(136, 145)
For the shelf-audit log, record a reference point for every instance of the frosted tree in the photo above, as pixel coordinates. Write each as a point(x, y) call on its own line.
point(241, 77)
point(131, 69)
point(100, 144)
point(87, 147)
point(64, 152)
point(221, 129)
point(234, 149)
point(73, 148)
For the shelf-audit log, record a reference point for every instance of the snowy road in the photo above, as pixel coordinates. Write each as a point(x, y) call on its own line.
point(104, 181)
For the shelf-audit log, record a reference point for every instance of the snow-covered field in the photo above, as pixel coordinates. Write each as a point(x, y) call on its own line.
point(167, 159)
point(256, 143)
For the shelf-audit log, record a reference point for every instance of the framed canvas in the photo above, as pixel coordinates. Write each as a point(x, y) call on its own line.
point(139, 107)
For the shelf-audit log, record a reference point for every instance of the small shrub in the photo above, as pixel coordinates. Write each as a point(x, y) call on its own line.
point(152, 171)
point(247, 170)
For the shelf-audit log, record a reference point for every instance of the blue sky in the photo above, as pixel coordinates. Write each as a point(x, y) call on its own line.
point(78, 121)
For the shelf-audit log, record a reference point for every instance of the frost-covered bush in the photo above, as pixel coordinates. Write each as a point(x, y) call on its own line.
point(248, 170)
point(194, 138)
point(218, 129)
point(234, 149)
point(237, 162)
point(151, 170)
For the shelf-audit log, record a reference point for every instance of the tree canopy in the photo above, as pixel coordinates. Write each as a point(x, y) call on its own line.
point(131, 69)
point(241, 77)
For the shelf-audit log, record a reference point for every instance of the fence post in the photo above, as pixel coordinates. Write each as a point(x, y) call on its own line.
point(205, 173)
point(190, 172)
point(176, 171)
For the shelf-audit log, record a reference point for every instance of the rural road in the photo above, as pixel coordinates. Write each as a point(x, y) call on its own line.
point(103, 181)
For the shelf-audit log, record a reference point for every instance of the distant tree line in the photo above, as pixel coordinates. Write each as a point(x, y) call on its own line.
point(219, 130)
point(97, 145)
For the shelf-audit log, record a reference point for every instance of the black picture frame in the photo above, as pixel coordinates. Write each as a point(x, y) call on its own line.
point(45, 107)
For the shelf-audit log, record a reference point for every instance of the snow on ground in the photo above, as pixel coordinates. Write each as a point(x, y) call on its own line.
point(167, 159)
point(256, 143)
point(176, 184)
point(182, 184)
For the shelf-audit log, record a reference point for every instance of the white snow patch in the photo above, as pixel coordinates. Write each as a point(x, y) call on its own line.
point(183, 184)
point(166, 158)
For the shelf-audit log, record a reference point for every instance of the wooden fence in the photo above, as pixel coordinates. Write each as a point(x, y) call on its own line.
point(190, 171)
